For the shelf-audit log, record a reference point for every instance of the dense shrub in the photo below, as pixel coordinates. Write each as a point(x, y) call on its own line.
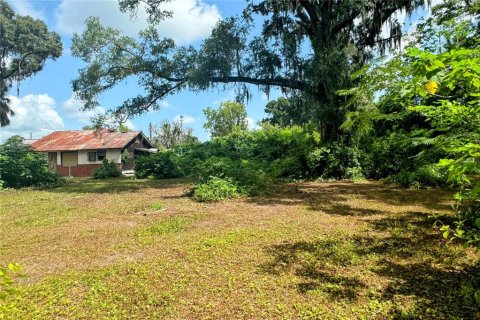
point(108, 169)
point(21, 167)
point(287, 147)
point(281, 150)
point(336, 161)
point(215, 189)
point(253, 160)
point(162, 165)
point(424, 176)
point(250, 176)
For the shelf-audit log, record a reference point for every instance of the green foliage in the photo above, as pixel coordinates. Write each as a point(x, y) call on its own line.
point(228, 118)
point(108, 169)
point(252, 160)
point(25, 47)
point(21, 167)
point(289, 51)
point(8, 289)
point(335, 161)
point(425, 176)
point(161, 165)
point(423, 129)
point(288, 112)
point(215, 189)
point(250, 176)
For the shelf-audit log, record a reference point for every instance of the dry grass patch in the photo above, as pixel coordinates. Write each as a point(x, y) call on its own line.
point(134, 249)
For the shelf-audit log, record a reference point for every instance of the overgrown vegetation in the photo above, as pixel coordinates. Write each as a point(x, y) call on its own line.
point(108, 169)
point(250, 160)
point(161, 165)
point(21, 167)
point(423, 130)
point(215, 189)
point(411, 120)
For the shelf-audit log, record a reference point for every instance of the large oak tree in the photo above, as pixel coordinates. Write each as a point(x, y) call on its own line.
point(308, 48)
point(25, 46)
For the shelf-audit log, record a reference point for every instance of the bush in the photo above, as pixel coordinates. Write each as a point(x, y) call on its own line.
point(108, 169)
point(337, 161)
point(424, 176)
point(279, 151)
point(21, 167)
point(215, 189)
point(251, 177)
point(161, 165)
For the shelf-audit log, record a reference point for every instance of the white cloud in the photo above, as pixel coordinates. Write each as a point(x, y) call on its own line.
point(252, 124)
point(130, 124)
point(192, 19)
point(25, 8)
point(185, 119)
point(34, 113)
point(72, 107)
point(165, 105)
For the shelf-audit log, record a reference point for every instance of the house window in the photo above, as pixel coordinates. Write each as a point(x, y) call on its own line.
point(92, 156)
point(101, 154)
point(69, 159)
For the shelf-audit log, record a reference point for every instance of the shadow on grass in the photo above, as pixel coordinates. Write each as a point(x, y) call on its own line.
point(116, 185)
point(331, 197)
point(423, 276)
point(439, 293)
point(319, 265)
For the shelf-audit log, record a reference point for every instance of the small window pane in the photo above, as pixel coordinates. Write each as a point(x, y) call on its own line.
point(101, 154)
point(92, 156)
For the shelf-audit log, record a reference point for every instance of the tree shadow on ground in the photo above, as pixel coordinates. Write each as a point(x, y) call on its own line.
point(439, 293)
point(422, 276)
point(321, 275)
point(419, 263)
point(331, 197)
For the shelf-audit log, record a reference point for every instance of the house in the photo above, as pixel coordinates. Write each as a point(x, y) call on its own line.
point(78, 152)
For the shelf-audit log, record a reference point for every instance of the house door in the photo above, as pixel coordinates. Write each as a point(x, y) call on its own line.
point(52, 161)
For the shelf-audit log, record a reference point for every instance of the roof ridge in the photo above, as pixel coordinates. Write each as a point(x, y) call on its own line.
point(65, 140)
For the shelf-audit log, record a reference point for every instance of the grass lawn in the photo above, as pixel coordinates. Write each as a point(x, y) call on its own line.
point(133, 249)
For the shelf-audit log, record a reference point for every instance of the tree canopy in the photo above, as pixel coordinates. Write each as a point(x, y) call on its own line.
point(169, 134)
point(306, 48)
point(229, 117)
point(26, 44)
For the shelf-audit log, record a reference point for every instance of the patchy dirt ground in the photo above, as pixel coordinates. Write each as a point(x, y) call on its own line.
point(134, 249)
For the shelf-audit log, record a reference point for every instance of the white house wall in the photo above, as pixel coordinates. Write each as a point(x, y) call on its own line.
point(112, 154)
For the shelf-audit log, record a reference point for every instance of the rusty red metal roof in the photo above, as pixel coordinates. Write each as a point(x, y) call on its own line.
point(84, 140)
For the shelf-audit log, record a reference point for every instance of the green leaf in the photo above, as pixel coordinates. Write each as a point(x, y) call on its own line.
point(446, 234)
point(477, 223)
point(477, 296)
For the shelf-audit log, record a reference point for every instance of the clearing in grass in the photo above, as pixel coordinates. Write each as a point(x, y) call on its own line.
point(141, 249)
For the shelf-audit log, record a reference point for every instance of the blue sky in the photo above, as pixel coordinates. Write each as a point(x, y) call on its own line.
point(45, 101)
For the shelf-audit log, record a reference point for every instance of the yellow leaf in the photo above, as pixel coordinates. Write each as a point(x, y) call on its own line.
point(431, 87)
